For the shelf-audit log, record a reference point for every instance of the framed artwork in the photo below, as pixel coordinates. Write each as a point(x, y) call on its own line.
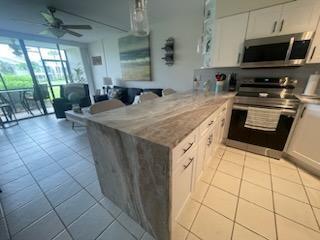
point(135, 58)
point(97, 60)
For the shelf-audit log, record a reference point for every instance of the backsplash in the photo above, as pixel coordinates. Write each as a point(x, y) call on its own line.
point(300, 73)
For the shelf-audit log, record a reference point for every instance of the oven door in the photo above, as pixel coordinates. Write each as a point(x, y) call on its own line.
point(274, 140)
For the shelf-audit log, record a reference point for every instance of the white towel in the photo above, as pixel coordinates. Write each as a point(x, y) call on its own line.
point(262, 119)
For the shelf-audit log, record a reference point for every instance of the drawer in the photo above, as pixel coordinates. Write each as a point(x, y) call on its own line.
point(223, 108)
point(208, 123)
point(184, 147)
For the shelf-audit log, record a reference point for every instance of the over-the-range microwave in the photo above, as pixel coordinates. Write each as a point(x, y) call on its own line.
point(278, 51)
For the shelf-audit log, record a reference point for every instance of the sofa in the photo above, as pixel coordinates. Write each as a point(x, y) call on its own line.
point(73, 93)
point(127, 95)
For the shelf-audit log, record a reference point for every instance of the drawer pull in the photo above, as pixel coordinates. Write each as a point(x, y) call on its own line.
point(187, 165)
point(210, 123)
point(210, 140)
point(186, 149)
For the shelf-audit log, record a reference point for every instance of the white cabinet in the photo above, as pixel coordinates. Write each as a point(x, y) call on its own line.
point(264, 22)
point(182, 181)
point(304, 144)
point(314, 53)
point(299, 16)
point(229, 36)
point(201, 157)
point(294, 17)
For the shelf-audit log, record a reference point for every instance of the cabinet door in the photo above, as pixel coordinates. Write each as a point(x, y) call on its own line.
point(182, 182)
point(304, 144)
point(264, 22)
point(201, 156)
point(209, 147)
point(299, 16)
point(229, 37)
point(314, 53)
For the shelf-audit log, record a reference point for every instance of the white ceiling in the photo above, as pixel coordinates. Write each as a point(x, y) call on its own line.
point(23, 15)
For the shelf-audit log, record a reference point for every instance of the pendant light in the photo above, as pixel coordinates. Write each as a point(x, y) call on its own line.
point(139, 18)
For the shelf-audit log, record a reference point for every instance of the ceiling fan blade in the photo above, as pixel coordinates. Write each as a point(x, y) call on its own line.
point(25, 21)
point(48, 17)
point(86, 27)
point(73, 33)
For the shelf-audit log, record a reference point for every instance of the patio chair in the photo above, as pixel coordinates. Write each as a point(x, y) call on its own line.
point(8, 114)
point(35, 97)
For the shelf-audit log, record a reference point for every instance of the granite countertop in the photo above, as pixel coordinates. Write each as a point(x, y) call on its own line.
point(165, 121)
point(308, 100)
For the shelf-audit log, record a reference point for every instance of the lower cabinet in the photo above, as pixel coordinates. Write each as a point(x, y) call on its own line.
point(182, 181)
point(189, 160)
point(304, 144)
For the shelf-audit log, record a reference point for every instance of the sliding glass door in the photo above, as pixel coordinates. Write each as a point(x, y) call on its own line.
point(17, 86)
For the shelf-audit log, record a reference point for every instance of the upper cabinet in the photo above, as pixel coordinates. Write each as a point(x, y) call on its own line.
point(229, 36)
point(299, 16)
point(294, 17)
point(264, 22)
point(314, 53)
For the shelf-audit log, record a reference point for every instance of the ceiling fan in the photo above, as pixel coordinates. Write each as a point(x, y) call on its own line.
point(56, 26)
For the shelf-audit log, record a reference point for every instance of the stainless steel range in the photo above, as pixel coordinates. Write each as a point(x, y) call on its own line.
point(262, 116)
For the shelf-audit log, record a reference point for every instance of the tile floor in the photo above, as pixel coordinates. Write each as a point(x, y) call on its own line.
point(243, 196)
point(50, 191)
point(50, 187)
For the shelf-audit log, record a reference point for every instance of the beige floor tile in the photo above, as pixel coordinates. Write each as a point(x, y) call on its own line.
point(226, 182)
point(219, 152)
point(317, 213)
point(285, 173)
point(207, 175)
point(199, 191)
point(295, 210)
point(241, 233)
point(210, 225)
point(235, 150)
point(290, 189)
point(257, 177)
point(309, 180)
point(191, 236)
point(234, 157)
point(257, 195)
point(314, 196)
point(214, 163)
point(230, 168)
point(283, 162)
point(179, 232)
point(188, 213)
point(221, 201)
point(258, 164)
point(257, 156)
point(288, 230)
point(257, 219)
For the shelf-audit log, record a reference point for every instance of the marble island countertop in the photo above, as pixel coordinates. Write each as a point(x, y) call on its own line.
point(165, 121)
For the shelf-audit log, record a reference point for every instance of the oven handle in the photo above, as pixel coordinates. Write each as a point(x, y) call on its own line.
point(289, 112)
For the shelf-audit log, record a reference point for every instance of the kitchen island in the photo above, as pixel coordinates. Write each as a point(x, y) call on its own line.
point(148, 156)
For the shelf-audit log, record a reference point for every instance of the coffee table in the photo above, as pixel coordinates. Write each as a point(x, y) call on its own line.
point(78, 118)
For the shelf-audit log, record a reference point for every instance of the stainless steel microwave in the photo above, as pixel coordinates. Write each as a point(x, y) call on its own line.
point(278, 51)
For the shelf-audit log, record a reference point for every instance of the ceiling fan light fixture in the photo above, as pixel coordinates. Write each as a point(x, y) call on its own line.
point(57, 32)
point(139, 18)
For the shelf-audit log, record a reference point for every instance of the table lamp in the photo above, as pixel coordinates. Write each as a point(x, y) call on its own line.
point(107, 81)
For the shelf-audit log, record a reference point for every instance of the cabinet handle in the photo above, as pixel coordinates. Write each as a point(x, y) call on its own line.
point(238, 60)
point(302, 113)
point(282, 24)
point(190, 161)
point(186, 149)
point(222, 122)
point(210, 140)
point(210, 123)
point(274, 26)
point(313, 51)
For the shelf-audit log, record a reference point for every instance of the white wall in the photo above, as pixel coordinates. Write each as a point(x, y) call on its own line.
point(185, 29)
point(231, 7)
